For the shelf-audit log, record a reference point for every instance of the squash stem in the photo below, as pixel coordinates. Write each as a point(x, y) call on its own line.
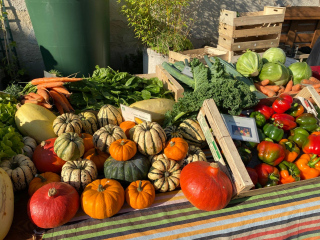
point(100, 188)
point(214, 165)
point(122, 142)
point(172, 143)
point(41, 177)
point(43, 143)
point(52, 192)
point(139, 187)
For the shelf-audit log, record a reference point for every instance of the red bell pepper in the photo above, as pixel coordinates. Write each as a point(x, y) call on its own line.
point(312, 144)
point(285, 124)
point(279, 116)
point(253, 175)
point(267, 175)
point(271, 153)
point(282, 103)
point(265, 110)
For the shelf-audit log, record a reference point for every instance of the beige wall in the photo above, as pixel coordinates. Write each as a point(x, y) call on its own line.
point(205, 31)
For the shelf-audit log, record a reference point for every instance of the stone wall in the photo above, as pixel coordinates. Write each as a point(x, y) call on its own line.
point(205, 30)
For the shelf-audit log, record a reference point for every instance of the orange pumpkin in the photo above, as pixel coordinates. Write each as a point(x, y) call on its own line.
point(102, 198)
point(176, 149)
point(88, 141)
point(123, 149)
point(41, 180)
point(140, 194)
point(96, 156)
point(126, 126)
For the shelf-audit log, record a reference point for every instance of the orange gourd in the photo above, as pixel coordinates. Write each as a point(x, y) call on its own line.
point(126, 126)
point(87, 140)
point(140, 194)
point(123, 149)
point(176, 149)
point(41, 180)
point(102, 198)
point(96, 156)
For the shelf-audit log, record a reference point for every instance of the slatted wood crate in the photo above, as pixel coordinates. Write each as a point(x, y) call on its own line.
point(219, 140)
point(301, 27)
point(251, 30)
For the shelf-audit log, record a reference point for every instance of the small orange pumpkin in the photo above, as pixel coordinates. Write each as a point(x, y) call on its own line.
point(123, 149)
point(88, 141)
point(96, 156)
point(41, 180)
point(140, 194)
point(176, 149)
point(102, 198)
point(126, 126)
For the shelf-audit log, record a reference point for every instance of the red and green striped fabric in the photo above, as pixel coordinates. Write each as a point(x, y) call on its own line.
point(287, 214)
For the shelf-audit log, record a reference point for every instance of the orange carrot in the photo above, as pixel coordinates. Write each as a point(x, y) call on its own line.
point(289, 86)
point(36, 96)
point(59, 107)
point(29, 101)
point(66, 101)
point(296, 87)
point(265, 90)
point(316, 86)
point(46, 105)
point(44, 94)
point(61, 90)
point(281, 90)
point(318, 90)
point(50, 85)
point(315, 80)
point(306, 81)
point(274, 88)
point(38, 81)
point(292, 92)
point(28, 97)
point(265, 82)
point(58, 99)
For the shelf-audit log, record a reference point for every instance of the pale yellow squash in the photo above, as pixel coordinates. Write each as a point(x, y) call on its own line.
point(35, 121)
point(6, 203)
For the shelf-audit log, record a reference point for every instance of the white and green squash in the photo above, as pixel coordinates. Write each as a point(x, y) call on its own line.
point(173, 132)
point(29, 146)
point(109, 114)
point(195, 154)
point(69, 146)
point(89, 122)
point(192, 133)
point(67, 122)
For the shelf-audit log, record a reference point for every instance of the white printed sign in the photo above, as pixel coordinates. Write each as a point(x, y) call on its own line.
point(129, 114)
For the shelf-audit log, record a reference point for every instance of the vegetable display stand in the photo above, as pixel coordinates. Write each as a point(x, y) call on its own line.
point(252, 30)
point(73, 35)
point(197, 53)
point(219, 140)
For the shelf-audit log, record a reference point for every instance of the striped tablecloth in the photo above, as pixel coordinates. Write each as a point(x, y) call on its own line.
point(286, 214)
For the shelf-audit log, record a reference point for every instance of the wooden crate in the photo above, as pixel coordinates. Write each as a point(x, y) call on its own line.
point(252, 30)
point(301, 26)
point(197, 53)
point(168, 81)
point(219, 139)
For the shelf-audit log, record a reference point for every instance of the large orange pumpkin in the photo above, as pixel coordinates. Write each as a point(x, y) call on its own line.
point(41, 180)
point(206, 186)
point(102, 198)
point(176, 149)
point(123, 149)
point(96, 156)
point(140, 194)
point(87, 140)
point(126, 126)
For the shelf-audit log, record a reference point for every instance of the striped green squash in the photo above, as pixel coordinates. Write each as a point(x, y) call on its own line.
point(79, 173)
point(195, 154)
point(192, 133)
point(89, 122)
point(173, 132)
point(20, 169)
point(67, 122)
point(69, 146)
point(127, 171)
point(165, 174)
point(109, 114)
point(150, 138)
point(106, 135)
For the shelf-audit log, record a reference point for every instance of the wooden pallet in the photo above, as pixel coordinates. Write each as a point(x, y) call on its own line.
point(301, 26)
point(168, 81)
point(252, 30)
point(219, 139)
point(197, 53)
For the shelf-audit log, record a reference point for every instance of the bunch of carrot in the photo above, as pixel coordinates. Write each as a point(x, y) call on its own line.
point(275, 90)
point(314, 82)
point(51, 87)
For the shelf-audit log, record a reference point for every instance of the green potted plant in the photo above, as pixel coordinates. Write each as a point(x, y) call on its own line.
point(161, 25)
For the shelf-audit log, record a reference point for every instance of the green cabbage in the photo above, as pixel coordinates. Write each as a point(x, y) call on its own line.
point(300, 71)
point(275, 72)
point(249, 64)
point(274, 55)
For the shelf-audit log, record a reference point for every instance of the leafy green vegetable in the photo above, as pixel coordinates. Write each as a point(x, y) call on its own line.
point(274, 55)
point(7, 109)
point(28, 89)
point(230, 95)
point(11, 142)
point(107, 86)
point(14, 90)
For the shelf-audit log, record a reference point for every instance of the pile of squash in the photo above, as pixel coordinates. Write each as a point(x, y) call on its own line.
point(98, 161)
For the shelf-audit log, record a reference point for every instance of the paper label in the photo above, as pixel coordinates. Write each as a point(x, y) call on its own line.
point(129, 114)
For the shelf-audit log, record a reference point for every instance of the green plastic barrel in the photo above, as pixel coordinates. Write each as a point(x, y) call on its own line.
point(73, 35)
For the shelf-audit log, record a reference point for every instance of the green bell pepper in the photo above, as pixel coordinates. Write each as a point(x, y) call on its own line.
point(273, 132)
point(245, 154)
point(307, 121)
point(259, 117)
point(299, 136)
